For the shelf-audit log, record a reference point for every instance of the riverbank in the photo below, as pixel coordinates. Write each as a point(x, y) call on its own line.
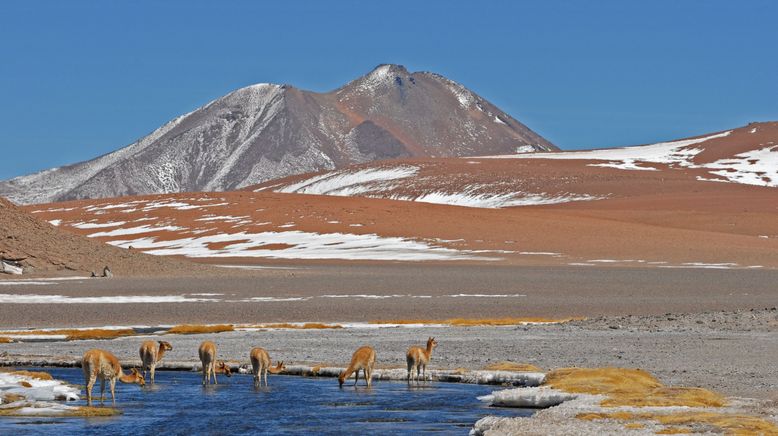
point(731, 352)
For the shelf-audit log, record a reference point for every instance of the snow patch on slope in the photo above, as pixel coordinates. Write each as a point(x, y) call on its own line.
point(349, 182)
point(297, 245)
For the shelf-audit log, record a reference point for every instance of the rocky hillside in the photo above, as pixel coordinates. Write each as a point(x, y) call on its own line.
point(43, 249)
point(264, 132)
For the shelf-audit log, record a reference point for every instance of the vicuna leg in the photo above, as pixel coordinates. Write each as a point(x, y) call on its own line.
point(205, 374)
point(89, 385)
point(113, 388)
point(356, 377)
point(213, 371)
point(410, 366)
point(256, 370)
point(266, 375)
point(153, 368)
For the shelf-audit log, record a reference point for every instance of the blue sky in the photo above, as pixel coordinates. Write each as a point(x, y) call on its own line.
point(82, 78)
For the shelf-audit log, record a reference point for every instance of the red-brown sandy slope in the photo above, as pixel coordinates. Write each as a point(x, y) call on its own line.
point(748, 155)
point(651, 219)
point(43, 249)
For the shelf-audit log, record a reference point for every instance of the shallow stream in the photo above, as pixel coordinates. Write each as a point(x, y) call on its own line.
point(179, 404)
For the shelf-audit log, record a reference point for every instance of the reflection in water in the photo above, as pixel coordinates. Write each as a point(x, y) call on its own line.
point(179, 404)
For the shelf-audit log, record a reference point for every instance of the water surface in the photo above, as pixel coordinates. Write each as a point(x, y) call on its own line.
point(179, 404)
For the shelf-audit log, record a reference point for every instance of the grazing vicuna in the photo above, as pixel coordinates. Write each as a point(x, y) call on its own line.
point(150, 355)
point(418, 358)
point(364, 359)
point(260, 361)
point(211, 366)
point(105, 366)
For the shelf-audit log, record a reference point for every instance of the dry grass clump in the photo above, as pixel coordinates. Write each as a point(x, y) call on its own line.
point(666, 397)
point(40, 375)
point(601, 380)
point(196, 329)
point(12, 398)
point(25, 384)
point(630, 387)
point(694, 422)
point(467, 322)
point(307, 325)
point(5, 340)
point(512, 366)
point(80, 335)
point(76, 334)
point(80, 411)
point(675, 430)
point(474, 322)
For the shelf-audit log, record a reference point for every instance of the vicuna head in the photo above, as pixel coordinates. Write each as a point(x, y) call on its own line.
point(224, 368)
point(165, 345)
point(135, 377)
point(280, 367)
point(341, 379)
point(431, 343)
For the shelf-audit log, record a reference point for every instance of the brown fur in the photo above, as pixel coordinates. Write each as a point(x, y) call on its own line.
point(260, 361)
point(418, 358)
point(364, 359)
point(150, 355)
point(105, 366)
point(211, 366)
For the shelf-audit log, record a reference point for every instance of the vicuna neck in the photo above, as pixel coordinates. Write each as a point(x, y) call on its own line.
point(160, 353)
point(126, 378)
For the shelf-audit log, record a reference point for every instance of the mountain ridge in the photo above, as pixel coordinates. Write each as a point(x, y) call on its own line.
point(267, 131)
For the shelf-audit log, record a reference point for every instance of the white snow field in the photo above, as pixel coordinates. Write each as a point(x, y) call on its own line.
point(345, 183)
point(629, 158)
point(377, 182)
point(297, 245)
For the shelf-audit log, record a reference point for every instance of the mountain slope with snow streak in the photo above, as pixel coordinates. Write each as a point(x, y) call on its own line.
point(266, 131)
point(747, 155)
point(651, 220)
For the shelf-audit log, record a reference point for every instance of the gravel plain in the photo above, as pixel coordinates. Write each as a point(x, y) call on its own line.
point(732, 352)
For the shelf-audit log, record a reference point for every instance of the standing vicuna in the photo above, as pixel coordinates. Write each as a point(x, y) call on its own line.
point(364, 359)
point(105, 366)
point(150, 355)
point(211, 366)
point(418, 358)
point(260, 361)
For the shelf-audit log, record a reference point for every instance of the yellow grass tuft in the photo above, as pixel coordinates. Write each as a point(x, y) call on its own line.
point(474, 322)
point(5, 340)
point(665, 397)
point(629, 387)
point(195, 329)
point(286, 325)
point(76, 334)
point(512, 366)
point(12, 398)
point(681, 422)
point(634, 425)
point(675, 430)
point(40, 375)
point(80, 411)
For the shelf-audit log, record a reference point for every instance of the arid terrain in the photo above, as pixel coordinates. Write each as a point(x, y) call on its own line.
point(662, 257)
